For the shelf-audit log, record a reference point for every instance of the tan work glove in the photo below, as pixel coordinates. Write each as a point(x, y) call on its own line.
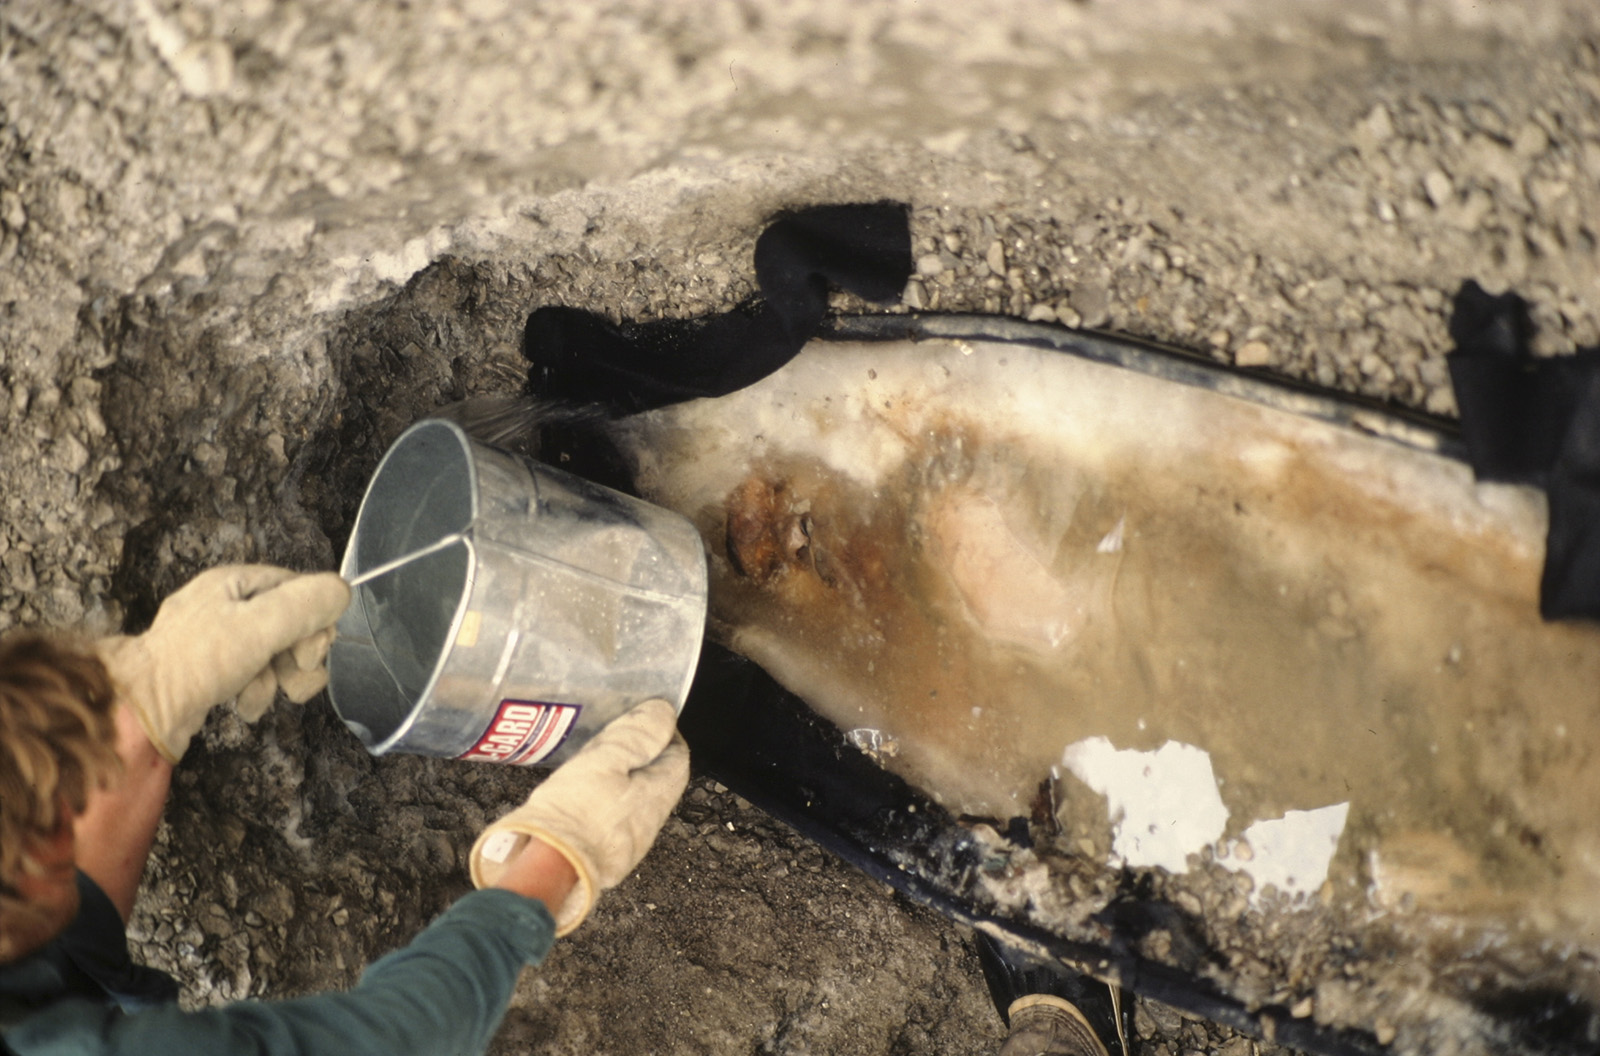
point(601, 809)
point(236, 630)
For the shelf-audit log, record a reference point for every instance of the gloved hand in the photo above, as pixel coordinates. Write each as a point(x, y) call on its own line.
point(601, 809)
point(235, 630)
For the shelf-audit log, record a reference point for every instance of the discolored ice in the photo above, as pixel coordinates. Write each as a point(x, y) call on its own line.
point(991, 553)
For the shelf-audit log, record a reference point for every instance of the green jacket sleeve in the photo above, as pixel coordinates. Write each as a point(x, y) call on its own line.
point(443, 994)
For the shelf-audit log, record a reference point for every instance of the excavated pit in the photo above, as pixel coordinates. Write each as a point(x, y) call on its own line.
point(242, 246)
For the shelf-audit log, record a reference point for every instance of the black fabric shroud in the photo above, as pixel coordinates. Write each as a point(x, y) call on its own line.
point(1534, 421)
point(582, 357)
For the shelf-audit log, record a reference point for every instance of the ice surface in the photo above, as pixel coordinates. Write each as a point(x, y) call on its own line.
point(992, 552)
point(1164, 804)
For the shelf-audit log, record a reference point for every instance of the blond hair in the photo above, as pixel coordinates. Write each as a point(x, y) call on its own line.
point(57, 744)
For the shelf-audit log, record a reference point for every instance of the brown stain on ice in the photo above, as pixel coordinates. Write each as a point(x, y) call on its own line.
point(1322, 645)
point(990, 598)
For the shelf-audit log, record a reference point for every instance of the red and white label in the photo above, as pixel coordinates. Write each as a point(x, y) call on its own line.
point(524, 732)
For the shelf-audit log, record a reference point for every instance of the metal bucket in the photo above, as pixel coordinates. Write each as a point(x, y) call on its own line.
point(506, 611)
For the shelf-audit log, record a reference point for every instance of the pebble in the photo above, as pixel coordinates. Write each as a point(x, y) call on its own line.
point(217, 922)
point(1494, 160)
point(204, 67)
point(1440, 191)
point(191, 265)
point(1253, 354)
point(996, 257)
point(12, 212)
point(211, 459)
point(1377, 125)
point(72, 203)
point(63, 606)
point(1152, 1018)
point(929, 265)
point(1530, 141)
point(1547, 193)
point(1092, 302)
point(720, 844)
point(915, 296)
point(70, 454)
point(19, 571)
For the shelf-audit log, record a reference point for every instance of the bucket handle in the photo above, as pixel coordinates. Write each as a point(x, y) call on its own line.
point(390, 566)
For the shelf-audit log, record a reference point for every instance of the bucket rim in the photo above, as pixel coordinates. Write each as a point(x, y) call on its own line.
point(348, 571)
point(403, 728)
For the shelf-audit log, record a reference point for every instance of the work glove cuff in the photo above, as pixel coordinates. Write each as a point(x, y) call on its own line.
point(601, 810)
point(498, 844)
point(131, 667)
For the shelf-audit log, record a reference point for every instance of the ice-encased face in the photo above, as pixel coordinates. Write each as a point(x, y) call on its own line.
point(989, 553)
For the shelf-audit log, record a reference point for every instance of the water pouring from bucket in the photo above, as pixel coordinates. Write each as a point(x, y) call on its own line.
point(505, 611)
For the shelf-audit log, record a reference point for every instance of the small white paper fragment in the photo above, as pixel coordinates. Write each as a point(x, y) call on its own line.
point(499, 847)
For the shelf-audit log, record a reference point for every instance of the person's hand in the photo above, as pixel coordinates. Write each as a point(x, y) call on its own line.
point(601, 809)
point(242, 631)
point(539, 871)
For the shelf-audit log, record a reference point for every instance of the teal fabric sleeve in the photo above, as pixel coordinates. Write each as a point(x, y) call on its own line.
point(443, 994)
point(88, 960)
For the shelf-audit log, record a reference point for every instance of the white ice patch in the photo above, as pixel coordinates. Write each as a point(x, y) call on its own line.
point(1165, 805)
point(1293, 852)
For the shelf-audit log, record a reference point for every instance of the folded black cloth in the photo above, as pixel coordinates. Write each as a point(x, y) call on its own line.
point(1534, 421)
point(581, 357)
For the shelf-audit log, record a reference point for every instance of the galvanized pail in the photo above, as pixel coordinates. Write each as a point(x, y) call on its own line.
point(504, 610)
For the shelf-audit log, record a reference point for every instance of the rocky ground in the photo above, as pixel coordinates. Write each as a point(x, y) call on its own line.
point(244, 243)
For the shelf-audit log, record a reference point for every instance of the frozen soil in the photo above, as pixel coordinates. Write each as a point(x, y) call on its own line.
point(242, 245)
